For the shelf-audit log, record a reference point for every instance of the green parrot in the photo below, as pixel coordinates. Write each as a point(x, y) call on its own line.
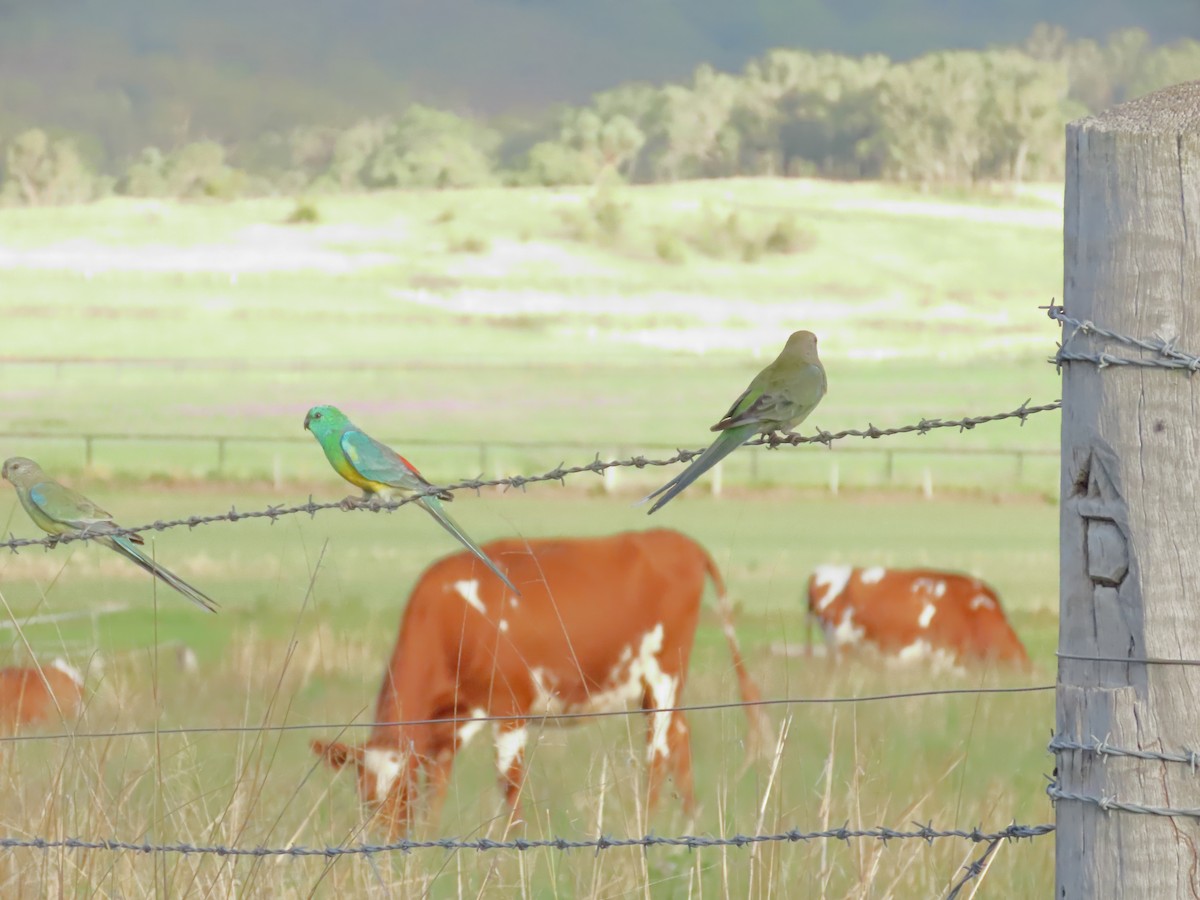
point(778, 399)
point(58, 510)
point(381, 472)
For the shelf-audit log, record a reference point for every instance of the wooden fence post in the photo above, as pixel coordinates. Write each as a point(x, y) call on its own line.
point(1130, 505)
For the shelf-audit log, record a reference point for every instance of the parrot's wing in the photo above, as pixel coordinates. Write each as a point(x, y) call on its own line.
point(776, 405)
point(66, 506)
point(763, 408)
point(379, 462)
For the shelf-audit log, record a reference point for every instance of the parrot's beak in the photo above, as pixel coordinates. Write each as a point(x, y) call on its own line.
point(307, 420)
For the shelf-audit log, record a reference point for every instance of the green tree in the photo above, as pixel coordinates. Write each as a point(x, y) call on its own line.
point(1022, 116)
point(1164, 66)
point(429, 147)
point(645, 106)
point(702, 141)
point(587, 147)
point(803, 112)
point(146, 176)
point(199, 169)
point(353, 150)
point(929, 111)
point(40, 170)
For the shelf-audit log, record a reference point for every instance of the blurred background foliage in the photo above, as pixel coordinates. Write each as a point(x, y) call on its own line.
point(324, 98)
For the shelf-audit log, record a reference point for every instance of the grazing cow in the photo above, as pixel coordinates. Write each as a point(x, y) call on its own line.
point(602, 623)
point(912, 614)
point(38, 694)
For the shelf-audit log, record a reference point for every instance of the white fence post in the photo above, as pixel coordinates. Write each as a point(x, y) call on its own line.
point(1130, 508)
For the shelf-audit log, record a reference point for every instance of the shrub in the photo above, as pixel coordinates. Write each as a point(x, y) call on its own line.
point(669, 249)
point(470, 243)
point(788, 236)
point(305, 212)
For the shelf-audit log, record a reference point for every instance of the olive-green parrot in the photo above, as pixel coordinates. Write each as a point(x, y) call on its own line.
point(778, 399)
point(58, 510)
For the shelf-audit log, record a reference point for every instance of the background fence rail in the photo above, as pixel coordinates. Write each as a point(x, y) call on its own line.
point(1013, 463)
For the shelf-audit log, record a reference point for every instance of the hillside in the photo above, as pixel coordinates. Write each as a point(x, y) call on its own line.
point(131, 73)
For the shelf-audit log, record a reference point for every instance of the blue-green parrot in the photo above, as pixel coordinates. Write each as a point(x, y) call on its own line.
point(382, 472)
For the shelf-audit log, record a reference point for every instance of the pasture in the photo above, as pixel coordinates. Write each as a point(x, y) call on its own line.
point(171, 319)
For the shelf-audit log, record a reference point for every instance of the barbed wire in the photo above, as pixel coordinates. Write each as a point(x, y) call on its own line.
point(974, 870)
point(925, 833)
point(1126, 660)
point(1168, 356)
point(560, 473)
point(1103, 748)
point(1111, 804)
point(532, 718)
point(1022, 412)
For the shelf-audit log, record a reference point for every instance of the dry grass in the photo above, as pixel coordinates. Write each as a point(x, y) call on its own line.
point(953, 761)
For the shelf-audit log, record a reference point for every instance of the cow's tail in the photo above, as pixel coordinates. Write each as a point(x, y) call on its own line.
point(759, 725)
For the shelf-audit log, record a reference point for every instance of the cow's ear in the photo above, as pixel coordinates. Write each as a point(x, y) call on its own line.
point(337, 754)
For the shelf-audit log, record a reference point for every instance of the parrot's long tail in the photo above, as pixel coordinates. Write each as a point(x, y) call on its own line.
point(123, 546)
point(432, 506)
point(720, 448)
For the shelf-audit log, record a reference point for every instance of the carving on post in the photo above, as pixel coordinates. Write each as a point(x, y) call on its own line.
point(1099, 516)
point(1102, 509)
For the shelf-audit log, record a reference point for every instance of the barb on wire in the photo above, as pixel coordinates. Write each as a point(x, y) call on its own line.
point(559, 474)
point(533, 720)
point(974, 870)
point(920, 832)
point(1102, 748)
point(1112, 804)
point(1167, 355)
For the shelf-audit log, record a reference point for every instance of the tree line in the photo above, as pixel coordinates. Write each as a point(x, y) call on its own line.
point(953, 117)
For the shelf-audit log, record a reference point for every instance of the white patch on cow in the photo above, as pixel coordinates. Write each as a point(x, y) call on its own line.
point(927, 614)
point(509, 747)
point(918, 649)
point(939, 659)
point(469, 591)
point(873, 575)
point(504, 625)
point(662, 689)
point(935, 587)
point(835, 578)
point(846, 631)
point(67, 669)
point(514, 602)
point(627, 683)
point(469, 730)
point(982, 601)
point(385, 765)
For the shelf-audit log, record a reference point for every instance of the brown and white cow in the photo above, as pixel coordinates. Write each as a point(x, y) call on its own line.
point(36, 694)
point(912, 614)
point(602, 624)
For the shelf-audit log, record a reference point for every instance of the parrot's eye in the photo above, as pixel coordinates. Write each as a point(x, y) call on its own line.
point(316, 415)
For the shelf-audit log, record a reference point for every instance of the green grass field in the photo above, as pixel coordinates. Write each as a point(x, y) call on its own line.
point(513, 316)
